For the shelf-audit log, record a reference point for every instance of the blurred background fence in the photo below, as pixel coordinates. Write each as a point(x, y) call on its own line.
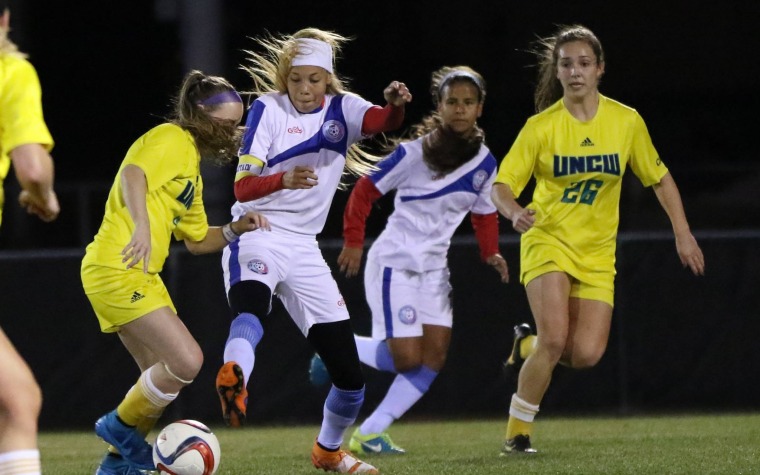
point(678, 342)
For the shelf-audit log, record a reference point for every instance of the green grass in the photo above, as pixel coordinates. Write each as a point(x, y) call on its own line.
point(704, 444)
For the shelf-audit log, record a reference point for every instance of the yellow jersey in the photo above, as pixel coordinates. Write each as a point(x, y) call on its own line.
point(21, 120)
point(578, 168)
point(171, 162)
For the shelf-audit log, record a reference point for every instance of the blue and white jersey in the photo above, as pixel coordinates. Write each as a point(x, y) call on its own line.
point(282, 138)
point(428, 206)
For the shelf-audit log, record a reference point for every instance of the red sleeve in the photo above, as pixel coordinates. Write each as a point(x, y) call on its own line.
point(382, 119)
point(253, 187)
point(486, 228)
point(357, 209)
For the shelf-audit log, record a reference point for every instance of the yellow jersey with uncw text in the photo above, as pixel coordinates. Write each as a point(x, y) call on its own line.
point(578, 168)
point(171, 162)
point(21, 120)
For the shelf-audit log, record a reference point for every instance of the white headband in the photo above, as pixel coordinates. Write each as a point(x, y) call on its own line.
point(313, 52)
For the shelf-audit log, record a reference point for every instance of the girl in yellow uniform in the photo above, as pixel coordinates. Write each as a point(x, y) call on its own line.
point(157, 194)
point(577, 147)
point(25, 143)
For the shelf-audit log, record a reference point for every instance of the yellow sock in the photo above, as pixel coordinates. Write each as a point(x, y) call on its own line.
point(143, 404)
point(521, 414)
point(147, 424)
point(516, 427)
point(527, 346)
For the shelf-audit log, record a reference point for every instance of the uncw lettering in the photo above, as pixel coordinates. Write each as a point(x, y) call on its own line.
point(569, 165)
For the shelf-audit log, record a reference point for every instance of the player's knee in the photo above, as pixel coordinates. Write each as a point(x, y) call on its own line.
point(22, 403)
point(186, 367)
point(586, 358)
point(407, 362)
point(553, 348)
point(435, 361)
point(250, 296)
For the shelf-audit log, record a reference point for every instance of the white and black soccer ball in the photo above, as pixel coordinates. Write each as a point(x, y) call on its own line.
point(186, 447)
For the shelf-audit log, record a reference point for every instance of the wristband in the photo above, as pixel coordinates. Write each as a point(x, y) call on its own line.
point(228, 233)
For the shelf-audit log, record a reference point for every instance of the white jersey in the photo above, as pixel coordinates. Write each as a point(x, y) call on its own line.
point(282, 138)
point(428, 207)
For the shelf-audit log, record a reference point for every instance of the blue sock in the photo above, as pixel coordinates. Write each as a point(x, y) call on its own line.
point(374, 353)
point(245, 333)
point(404, 392)
point(340, 411)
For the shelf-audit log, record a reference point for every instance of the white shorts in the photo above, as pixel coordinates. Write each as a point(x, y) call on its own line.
point(294, 270)
point(402, 301)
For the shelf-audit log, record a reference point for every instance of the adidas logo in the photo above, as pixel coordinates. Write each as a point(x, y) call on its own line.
point(136, 296)
point(587, 143)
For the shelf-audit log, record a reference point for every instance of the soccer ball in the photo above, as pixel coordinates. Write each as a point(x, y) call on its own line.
point(186, 447)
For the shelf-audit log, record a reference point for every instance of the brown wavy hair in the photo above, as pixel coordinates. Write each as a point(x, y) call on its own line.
point(218, 141)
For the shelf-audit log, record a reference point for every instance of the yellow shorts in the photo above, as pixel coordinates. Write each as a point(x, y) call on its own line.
point(121, 296)
point(578, 288)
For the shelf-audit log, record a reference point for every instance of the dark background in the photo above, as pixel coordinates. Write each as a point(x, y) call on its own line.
point(108, 70)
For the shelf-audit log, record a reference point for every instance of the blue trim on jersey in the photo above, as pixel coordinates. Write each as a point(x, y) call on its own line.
point(387, 311)
point(464, 183)
point(234, 262)
point(251, 124)
point(318, 141)
point(387, 164)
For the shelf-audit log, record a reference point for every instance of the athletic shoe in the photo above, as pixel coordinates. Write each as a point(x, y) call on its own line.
point(515, 361)
point(114, 464)
point(520, 444)
point(318, 374)
point(230, 385)
point(373, 444)
point(130, 443)
point(339, 461)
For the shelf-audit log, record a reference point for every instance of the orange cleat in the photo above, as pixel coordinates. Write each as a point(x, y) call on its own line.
point(339, 461)
point(230, 386)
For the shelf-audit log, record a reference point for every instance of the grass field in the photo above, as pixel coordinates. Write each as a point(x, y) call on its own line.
point(704, 444)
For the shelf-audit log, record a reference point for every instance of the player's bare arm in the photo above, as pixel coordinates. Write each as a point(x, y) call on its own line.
point(300, 178)
point(686, 245)
point(219, 236)
point(504, 200)
point(34, 171)
point(134, 187)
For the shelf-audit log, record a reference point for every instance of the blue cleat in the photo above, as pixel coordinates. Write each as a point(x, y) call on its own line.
point(373, 444)
point(318, 374)
point(130, 443)
point(114, 464)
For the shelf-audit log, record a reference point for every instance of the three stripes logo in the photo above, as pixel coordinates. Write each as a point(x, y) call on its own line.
point(587, 143)
point(136, 296)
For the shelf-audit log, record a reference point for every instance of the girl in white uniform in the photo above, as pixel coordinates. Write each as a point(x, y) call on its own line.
point(440, 176)
point(301, 135)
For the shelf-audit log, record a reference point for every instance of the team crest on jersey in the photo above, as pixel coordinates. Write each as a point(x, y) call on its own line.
point(407, 314)
point(258, 266)
point(478, 179)
point(333, 131)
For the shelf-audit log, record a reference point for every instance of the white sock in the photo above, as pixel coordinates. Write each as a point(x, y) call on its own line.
point(239, 350)
point(407, 388)
point(20, 462)
point(374, 353)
